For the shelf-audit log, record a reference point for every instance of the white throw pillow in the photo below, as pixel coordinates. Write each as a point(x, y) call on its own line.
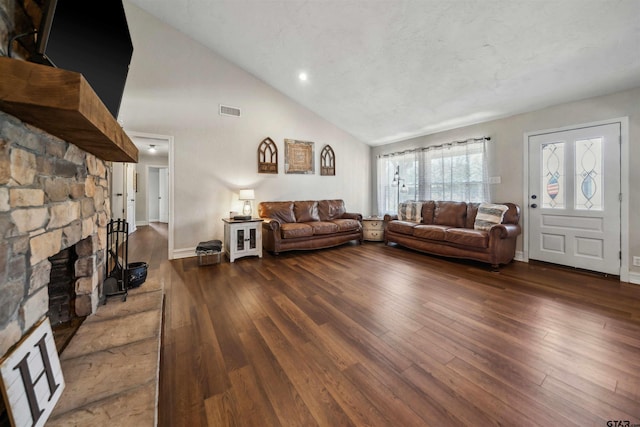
point(489, 215)
point(410, 211)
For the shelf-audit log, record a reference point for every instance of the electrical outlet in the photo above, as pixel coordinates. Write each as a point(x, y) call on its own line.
point(636, 261)
point(495, 180)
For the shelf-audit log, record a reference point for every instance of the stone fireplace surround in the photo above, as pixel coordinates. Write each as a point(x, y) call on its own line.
point(53, 195)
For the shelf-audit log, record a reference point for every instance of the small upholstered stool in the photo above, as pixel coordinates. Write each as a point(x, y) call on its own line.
point(209, 253)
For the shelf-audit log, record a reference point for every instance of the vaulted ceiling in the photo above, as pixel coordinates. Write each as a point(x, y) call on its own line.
point(389, 70)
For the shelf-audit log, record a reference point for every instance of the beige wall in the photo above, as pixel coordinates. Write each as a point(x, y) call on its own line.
point(174, 88)
point(507, 146)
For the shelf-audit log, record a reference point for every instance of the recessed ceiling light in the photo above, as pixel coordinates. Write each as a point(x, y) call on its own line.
point(303, 76)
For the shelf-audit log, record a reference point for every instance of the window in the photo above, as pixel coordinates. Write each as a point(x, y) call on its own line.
point(456, 171)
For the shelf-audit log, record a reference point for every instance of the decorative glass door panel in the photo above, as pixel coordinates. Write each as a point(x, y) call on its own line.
point(552, 176)
point(252, 238)
point(589, 174)
point(240, 240)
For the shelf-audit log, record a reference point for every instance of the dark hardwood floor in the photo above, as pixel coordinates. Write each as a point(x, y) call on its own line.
point(384, 336)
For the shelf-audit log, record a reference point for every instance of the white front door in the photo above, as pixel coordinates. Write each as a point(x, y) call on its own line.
point(163, 197)
point(131, 195)
point(117, 191)
point(574, 198)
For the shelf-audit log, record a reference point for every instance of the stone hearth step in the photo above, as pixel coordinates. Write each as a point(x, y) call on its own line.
point(111, 366)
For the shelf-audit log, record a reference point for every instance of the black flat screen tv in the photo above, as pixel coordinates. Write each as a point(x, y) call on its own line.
point(91, 38)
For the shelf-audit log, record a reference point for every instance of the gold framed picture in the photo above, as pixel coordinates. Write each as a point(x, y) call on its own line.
point(298, 157)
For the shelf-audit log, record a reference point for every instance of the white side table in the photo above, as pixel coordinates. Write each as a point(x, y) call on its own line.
point(373, 229)
point(242, 238)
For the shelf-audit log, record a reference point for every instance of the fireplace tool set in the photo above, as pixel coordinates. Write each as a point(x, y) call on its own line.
point(120, 275)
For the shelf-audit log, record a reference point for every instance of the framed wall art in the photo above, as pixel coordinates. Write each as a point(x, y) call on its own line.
point(267, 156)
point(298, 157)
point(327, 161)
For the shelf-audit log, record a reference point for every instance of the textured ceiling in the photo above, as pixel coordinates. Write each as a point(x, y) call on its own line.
point(390, 70)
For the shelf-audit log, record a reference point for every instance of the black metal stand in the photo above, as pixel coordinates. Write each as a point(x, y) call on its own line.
point(116, 282)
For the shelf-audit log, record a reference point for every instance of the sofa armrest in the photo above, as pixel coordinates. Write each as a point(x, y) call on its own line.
point(389, 217)
point(348, 215)
point(269, 224)
point(505, 231)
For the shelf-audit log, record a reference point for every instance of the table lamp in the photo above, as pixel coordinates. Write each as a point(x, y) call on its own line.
point(247, 196)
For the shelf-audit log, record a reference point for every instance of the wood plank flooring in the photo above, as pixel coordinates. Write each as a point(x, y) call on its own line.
point(383, 336)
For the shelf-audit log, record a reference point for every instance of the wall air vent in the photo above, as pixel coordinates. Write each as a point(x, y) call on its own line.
point(226, 110)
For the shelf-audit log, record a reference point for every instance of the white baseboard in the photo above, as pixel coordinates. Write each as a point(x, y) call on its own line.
point(184, 253)
point(519, 256)
point(634, 278)
point(141, 223)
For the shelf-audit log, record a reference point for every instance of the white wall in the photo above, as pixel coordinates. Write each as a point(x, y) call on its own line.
point(506, 149)
point(174, 88)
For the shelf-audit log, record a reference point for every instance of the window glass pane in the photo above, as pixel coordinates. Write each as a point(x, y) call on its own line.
point(451, 172)
point(553, 178)
point(589, 174)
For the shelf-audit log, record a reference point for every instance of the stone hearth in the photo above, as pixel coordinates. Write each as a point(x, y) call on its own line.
point(53, 195)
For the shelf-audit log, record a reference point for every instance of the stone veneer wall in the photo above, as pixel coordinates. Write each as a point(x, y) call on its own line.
point(52, 196)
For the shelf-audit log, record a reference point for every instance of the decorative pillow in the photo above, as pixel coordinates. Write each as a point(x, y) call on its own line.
point(306, 211)
point(330, 209)
point(489, 215)
point(410, 211)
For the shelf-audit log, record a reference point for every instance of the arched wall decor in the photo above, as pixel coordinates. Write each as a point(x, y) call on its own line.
point(327, 161)
point(267, 156)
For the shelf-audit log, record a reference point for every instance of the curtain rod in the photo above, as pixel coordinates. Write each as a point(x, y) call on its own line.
point(430, 147)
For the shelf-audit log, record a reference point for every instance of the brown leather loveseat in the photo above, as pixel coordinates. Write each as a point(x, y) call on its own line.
point(309, 224)
point(450, 229)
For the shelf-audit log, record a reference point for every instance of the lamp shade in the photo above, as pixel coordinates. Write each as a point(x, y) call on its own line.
point(247, 194)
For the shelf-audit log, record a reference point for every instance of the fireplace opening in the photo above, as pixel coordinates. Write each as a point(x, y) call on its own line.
point(62, 297)
point(61, 286)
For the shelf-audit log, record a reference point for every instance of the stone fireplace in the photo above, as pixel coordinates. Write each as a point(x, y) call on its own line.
point(53, 196)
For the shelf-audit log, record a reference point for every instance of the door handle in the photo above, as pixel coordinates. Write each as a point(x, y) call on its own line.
point(534, 206)
point(119, 194)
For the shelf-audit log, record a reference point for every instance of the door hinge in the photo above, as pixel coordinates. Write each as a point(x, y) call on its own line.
point(620, 196)
point(620, 255)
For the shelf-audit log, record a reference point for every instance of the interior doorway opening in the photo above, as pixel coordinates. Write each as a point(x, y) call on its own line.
point(154, 189)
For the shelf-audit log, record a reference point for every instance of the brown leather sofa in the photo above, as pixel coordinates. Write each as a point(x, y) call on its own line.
point(447, 228)
point(310, 224)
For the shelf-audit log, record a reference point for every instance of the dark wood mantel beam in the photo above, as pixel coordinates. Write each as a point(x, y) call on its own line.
point(63, 104)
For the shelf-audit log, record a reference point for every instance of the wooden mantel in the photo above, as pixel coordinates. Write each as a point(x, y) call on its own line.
point(63, 104)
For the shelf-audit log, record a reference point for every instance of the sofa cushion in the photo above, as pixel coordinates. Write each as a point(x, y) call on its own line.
point(472, 211)
point(403, 227)
point(292, 230)
point(347, 224)
point(511, 216)
point(433, 232)
point(489, 215)
point(280, 211)
point(450, 213)
point(428, 207)
point(410, 211)
point(306, 211)
point(323, 227)
point(330, 209)
point(467, 237)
